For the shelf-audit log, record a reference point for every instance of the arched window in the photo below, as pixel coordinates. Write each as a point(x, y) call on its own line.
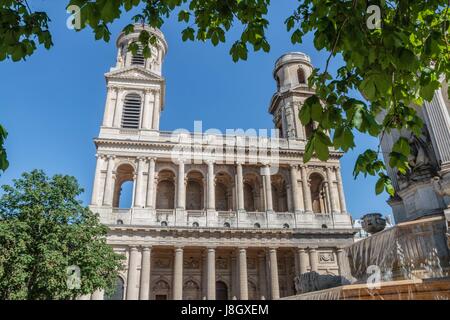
point(257, 225)
point(279, 194)
point(226, 225)
point(249, 202)
point(221, 291)
point(119, 221)
point(224, 192)
point(252, 291)
point(131, 114)
point(164, 224)
point(165, 191)
point(117, 294)
point(195, 225)
point(191, 290)
point(194, 191)
point(253, 202)
point(278, 83)
point(123, 187)
point(309, 129)
point(285, 226)
point(317, 193)
point(138, 59)
point(301, 76)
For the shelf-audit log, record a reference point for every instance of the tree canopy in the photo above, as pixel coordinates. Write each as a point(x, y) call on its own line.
point(45, 234)
point(396, 65)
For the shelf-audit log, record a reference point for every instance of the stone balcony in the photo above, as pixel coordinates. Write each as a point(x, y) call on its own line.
point(221, 219)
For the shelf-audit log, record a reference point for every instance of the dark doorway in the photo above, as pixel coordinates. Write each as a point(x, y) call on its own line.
point(221, 291)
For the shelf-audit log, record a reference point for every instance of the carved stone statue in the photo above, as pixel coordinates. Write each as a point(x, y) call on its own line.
point(421, 162)
point(442, 187)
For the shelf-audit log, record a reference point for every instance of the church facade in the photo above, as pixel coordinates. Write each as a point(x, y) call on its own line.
point(213, 216)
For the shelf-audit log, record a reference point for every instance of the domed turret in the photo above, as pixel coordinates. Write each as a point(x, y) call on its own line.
point(291, 73)
point(125, 58)
point(292, 70)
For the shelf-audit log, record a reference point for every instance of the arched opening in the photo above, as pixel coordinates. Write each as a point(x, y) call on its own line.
point(224, 192)
point(118, 293)
point(191, 290)
point(165, 191)
point(161, 290)
point(309, 129)
point(317, 193)
point(195, 225)
point(257, 225)
point(301, 76)
point(279, 194)
point(123, 188)
point(252, 192)
point(249, 200)
point(252, 291)
point(138, 59)
point(131, 114)
point(277, 79)
point(194, 191)
point(221, 291)
point(226, 225)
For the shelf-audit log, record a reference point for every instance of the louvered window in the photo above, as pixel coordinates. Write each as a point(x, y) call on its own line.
point(131, 111)
point(138, 58)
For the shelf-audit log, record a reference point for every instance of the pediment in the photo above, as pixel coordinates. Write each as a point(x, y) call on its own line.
point(133, 73)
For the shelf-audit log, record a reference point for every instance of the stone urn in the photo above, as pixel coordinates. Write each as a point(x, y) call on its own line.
point(373, 223)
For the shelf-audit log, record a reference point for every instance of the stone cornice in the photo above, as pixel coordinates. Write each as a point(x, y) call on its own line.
point(285, 154)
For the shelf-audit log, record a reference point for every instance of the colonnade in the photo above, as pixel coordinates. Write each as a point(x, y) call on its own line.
point(298, 189)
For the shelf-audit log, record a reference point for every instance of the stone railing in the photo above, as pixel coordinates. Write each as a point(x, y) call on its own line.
point(217, 219)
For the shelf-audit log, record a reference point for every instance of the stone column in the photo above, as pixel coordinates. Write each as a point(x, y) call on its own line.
point(302, 260)
point(156, 111)
point(211, 187)
point(275, 286)
point(340, 254)
point(313, 260)
point(132, 279)
point(140, 193)
point(151, 182)
point(181, 197)
point(111, 98)
point(294, 189)
point(109, 183)
point(211, 292)
point(306, 191)
point(144, 290)
point(243, 278)
point(341, 191)
point(240, 186)
point(147, 115)
point(331, 190)
point(234, 277)
point(98, 294)
point(118, 109)
point(262, 275)
point(437, 120)
point(178, 275)
point(268, 185)
point(97, 181)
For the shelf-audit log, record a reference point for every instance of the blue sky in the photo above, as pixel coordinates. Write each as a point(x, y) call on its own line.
point(52, 104)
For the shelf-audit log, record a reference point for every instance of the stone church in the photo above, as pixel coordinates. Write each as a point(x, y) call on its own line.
point(240, 222)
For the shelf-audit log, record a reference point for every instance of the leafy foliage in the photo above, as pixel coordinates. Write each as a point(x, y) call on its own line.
point(21, 29)
point(44, 230)
point(395, 67)
point(3, 160)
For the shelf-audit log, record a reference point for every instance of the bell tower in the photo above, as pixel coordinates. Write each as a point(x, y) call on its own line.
point(135, 89)
point(291, 74)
